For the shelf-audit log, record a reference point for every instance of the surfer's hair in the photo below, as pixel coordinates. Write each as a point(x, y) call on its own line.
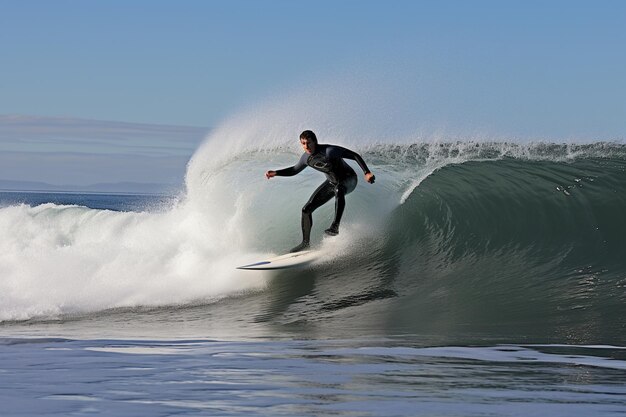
point(309, 135)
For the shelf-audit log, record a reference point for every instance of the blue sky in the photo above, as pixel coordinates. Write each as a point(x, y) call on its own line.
point(552, 69)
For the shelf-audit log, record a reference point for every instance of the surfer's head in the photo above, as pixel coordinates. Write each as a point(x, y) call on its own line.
point(308, 140)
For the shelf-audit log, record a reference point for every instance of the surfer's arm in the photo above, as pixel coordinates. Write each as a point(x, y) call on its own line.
point(288, 172)
point(348, 154)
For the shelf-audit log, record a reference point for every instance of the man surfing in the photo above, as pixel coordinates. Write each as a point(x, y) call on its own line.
point(340, 180)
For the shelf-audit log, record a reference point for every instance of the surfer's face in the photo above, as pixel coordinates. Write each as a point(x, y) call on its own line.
point(308, 145)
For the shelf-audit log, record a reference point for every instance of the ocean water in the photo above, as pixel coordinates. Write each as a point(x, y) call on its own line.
point(475, 278)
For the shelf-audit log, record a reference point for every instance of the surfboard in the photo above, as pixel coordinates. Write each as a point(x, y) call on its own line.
point(290, 260)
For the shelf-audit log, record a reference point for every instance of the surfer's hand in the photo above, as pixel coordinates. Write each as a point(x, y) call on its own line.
point(270, 174)
point(369, 177)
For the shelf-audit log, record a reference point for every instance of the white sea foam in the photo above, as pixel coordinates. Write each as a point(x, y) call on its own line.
point(65, 259)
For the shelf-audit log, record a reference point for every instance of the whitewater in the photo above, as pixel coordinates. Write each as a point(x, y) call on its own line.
point(478, 275)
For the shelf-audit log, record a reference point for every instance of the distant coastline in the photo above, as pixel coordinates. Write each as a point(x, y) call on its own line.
point(118, 187)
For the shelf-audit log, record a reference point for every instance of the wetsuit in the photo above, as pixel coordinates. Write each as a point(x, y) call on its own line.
point(340, 180)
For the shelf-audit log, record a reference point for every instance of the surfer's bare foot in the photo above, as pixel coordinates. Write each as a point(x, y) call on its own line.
point(333, 230)
point(302, 246)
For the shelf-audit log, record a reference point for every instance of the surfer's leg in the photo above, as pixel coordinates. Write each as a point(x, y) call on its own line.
point(341, 190)
point(320, 196)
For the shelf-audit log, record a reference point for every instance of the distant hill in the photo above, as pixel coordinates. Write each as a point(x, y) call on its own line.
point(118, 187)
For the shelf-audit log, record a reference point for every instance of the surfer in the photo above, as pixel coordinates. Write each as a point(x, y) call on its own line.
point(340, 180)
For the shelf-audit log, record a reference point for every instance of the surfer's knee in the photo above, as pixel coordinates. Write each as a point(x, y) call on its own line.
point(340, 190)
point(350, 184)
point(307, 208)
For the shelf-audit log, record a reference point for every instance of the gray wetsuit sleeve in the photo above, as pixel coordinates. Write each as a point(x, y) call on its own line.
point(297, 168)
point(348, 154)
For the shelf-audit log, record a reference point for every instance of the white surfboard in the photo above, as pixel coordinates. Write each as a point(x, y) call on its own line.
point(289, 260)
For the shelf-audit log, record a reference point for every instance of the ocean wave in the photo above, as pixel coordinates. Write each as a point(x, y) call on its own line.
point(459, 232)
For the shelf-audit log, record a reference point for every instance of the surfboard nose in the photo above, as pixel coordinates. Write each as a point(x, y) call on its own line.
point(252, 266)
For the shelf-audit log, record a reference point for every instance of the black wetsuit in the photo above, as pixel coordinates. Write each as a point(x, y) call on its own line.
point(340, 180)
